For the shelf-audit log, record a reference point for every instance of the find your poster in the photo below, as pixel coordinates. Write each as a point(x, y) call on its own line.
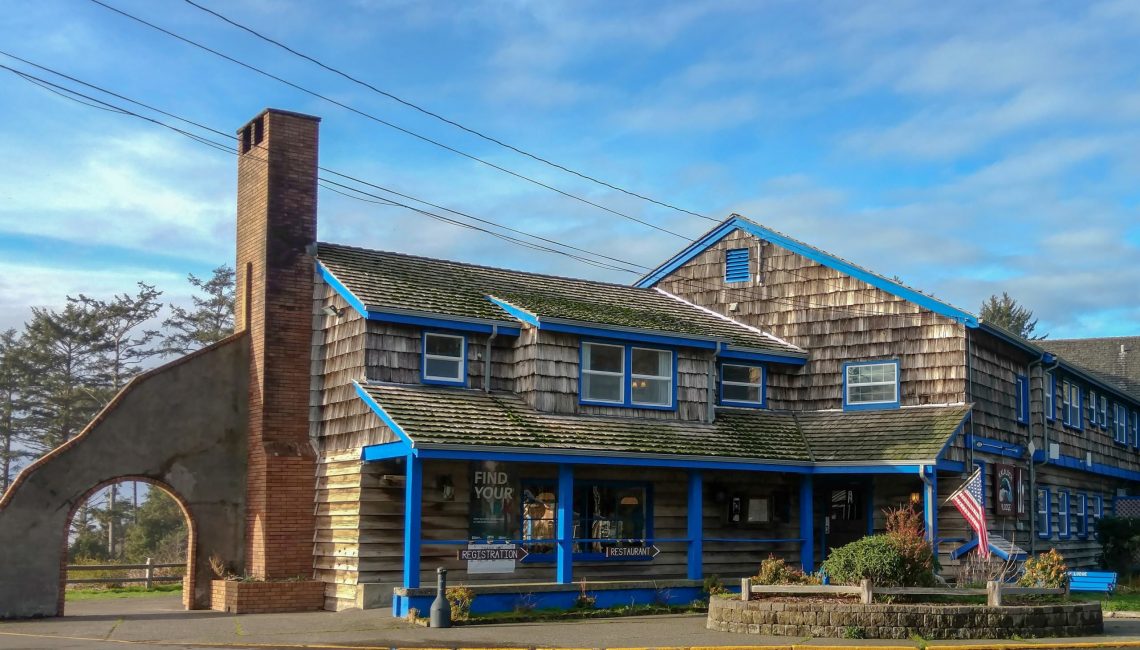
point(1005, 491)
point(493, 501)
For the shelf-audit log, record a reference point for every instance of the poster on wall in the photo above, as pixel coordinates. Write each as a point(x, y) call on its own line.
point(1006, 489)
point(494, 504)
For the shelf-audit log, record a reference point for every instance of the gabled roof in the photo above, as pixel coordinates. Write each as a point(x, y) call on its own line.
point(470, 419)
point(381, 281)
point(1114, 360)
point(737, 222)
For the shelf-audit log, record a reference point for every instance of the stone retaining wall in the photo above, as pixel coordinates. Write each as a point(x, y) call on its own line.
point(900, 621)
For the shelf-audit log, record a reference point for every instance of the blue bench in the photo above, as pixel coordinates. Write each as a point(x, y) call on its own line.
point(1092, 581)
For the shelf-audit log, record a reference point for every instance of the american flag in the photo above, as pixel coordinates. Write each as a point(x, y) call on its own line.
point(968, 500)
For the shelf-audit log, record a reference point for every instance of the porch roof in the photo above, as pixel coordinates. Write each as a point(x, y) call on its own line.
point(449, 417)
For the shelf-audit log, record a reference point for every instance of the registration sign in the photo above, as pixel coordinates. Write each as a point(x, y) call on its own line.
point(491, 558)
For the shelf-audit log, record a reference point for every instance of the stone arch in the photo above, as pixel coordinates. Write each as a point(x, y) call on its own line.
point(182, 426)
point(191, 579)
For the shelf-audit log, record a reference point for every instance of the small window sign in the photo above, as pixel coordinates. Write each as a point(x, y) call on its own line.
point(758, 512)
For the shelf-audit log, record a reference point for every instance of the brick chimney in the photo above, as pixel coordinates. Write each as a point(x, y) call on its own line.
point(276, 224)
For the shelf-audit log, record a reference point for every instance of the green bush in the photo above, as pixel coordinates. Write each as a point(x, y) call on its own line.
point(1119, 539)
point(460, 599)
point(775, 571)
point(874, 557)
point(907, 531)
point(1047, 571)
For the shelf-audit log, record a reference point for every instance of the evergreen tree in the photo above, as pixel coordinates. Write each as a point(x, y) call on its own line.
point(119, 320)
point(160, 532)
point(13, 385)
point(211, 318)
point(1007, 313)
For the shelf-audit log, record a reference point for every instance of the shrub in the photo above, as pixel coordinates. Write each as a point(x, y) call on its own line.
point(775, 571)
point(907, 531)
point(584, 600)
point(875, 557)
point(1047, 570)
point(1119, 539)
point(460, 599)
point(713, 586)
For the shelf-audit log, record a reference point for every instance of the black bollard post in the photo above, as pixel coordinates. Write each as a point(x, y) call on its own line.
point(440, 608)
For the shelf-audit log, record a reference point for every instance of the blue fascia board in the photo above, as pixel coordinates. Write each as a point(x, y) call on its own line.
point(997, 447)
point(386, 451)
point(441, 322)
point(341, 290)
point(1071, 462)
point(812, 253)
point(518, 312)
point(866, 469)
point(618, 460)
point(387, 419)
point(618, 334)
point(760, 357)
point(950, 465)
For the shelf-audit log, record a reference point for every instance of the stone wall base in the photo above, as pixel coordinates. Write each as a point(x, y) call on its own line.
point(900, 621)
point(237, 597)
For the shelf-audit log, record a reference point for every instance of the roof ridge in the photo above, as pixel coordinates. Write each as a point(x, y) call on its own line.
point(803, 436)
point(721, 316)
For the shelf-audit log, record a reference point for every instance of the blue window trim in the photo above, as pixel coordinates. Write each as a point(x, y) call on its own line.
point(878, 405)
point(1050, 403)
point(1083, 502)
point(1022, 399)
point(627, 372)
point(763, 385)
point(737, 265)
point(1064, 515)
point(594, 557)
point(1046, 532)
point(424, 379)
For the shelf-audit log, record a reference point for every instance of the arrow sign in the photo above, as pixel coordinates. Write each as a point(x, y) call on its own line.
point(491, 552)
point(633, 551)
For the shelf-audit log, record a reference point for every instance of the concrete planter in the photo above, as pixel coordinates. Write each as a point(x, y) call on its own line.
point(237, 597)
point(900, 621)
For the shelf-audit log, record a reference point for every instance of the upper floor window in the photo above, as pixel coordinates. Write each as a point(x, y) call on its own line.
point(1120, 424)
point(870, 384)
point(1092, 408)
point(626, 375)
point(1071, 414)
point(1050, 396)
point(1023, 399)
point(736, 265)
point(1102, 414)
point(742, 385)
point(444, 359)
point(1134, 420)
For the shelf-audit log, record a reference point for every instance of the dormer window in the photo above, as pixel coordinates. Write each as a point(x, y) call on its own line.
point(444, 359)
point(742, 385)
point(627, 375)
point(603, 373)
point(870, 385)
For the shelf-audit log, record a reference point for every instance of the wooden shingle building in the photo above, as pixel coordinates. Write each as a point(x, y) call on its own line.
point(753, 395)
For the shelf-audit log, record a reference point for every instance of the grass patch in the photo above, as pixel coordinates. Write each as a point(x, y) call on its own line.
point(123, 592)
point(549, 615)
point(1121, 602)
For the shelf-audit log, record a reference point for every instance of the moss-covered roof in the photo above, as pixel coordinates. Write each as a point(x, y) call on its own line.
point(384, 280)
point(448, 416)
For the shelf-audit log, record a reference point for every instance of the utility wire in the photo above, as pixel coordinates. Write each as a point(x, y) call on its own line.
point(425, 111)
point(391, 125)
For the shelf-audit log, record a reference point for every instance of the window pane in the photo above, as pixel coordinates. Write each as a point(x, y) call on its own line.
point(607, 358)
point(442, 368)
point(737, 393)
point(601, 387)
point(613, 513)
point(742, 374)
point(652, 391)
point(863, 394)
point(444, 346)
point(652, 362)
point(540, 503)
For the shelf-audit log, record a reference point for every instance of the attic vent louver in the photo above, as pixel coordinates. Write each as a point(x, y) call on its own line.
point(736, 265)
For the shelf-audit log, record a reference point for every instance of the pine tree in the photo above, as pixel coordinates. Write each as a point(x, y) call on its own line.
point(119, 320)
point(13, 378)
point(1007, 313)
point(210, 320)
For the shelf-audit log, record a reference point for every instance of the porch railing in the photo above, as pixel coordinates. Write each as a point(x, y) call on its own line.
point(148, 568)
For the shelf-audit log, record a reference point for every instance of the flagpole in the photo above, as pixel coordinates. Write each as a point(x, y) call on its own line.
point(962, 486)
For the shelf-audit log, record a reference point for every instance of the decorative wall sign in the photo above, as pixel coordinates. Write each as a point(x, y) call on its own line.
point(491, 558)
point(1006, 489)
point(494, 503)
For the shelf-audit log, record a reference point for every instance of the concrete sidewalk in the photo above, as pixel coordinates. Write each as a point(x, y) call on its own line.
point(160, 622)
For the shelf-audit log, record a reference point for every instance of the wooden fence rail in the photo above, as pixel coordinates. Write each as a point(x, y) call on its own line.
point(866, 592)
point(149, 578)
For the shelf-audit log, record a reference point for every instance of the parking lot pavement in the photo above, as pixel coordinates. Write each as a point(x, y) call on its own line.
point(160, 622)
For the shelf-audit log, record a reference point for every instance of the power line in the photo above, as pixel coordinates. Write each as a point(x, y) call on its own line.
point(425, 111)
point(390, 124)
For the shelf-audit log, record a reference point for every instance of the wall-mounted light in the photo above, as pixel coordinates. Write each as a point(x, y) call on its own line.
point(915, 498)
point(335, 312)
point(446, 487)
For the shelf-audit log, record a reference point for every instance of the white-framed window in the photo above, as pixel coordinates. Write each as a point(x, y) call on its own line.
point(741, 385)
point(1072, 406)
point(444, 359)
point(1083, 515)
point(1120, 424)
point(1050, 396)
point(603, 373)
point(1098, 508)
point(1043, 523)
point(870, 384)
point(1092, 408)
point(651, 377)
point(1102, 418)
point(1134, 420)
point(1064, 515)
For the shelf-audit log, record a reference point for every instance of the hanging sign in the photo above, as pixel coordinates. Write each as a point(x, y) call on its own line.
point(493, 503)
point(491, 558)
point(1005, 490)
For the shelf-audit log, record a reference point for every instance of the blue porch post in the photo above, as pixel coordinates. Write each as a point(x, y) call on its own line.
point(413, 501)
point(565, 569)
point(930, 505)
point(807, 525)
point(696, 524)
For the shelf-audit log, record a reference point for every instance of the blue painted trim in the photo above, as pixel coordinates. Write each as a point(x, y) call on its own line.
point(878, 406)
point(413, 504)
point(996, 447)
point(386, 451)
point(964, 549)
point(1022, 383)
point(1078, 464)
point(807, 524)
point(812, 253)
point(489, 603)
point(441, 323)
point(930, 505)
point(379, 411)
point(865, 469)
point(737, 265)
point(341, 290)
point(1046, 532)
point(759, 357)
point(763, 403)
point(564, 572)
point(627, 376)
point(695, 515)
point(869, 504)
point(621, 461)
point(424, 379)
point(518, 312)
point(603, 332)
point(950, 466)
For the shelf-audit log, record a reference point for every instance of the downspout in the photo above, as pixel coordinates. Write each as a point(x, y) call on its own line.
point(487, 360)
point(1044, 446)
point(710, 412)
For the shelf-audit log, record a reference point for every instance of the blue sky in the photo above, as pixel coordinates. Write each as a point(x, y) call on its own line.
point(967, 147)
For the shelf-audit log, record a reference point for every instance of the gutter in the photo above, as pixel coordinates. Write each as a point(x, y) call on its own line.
point(1045, 358)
